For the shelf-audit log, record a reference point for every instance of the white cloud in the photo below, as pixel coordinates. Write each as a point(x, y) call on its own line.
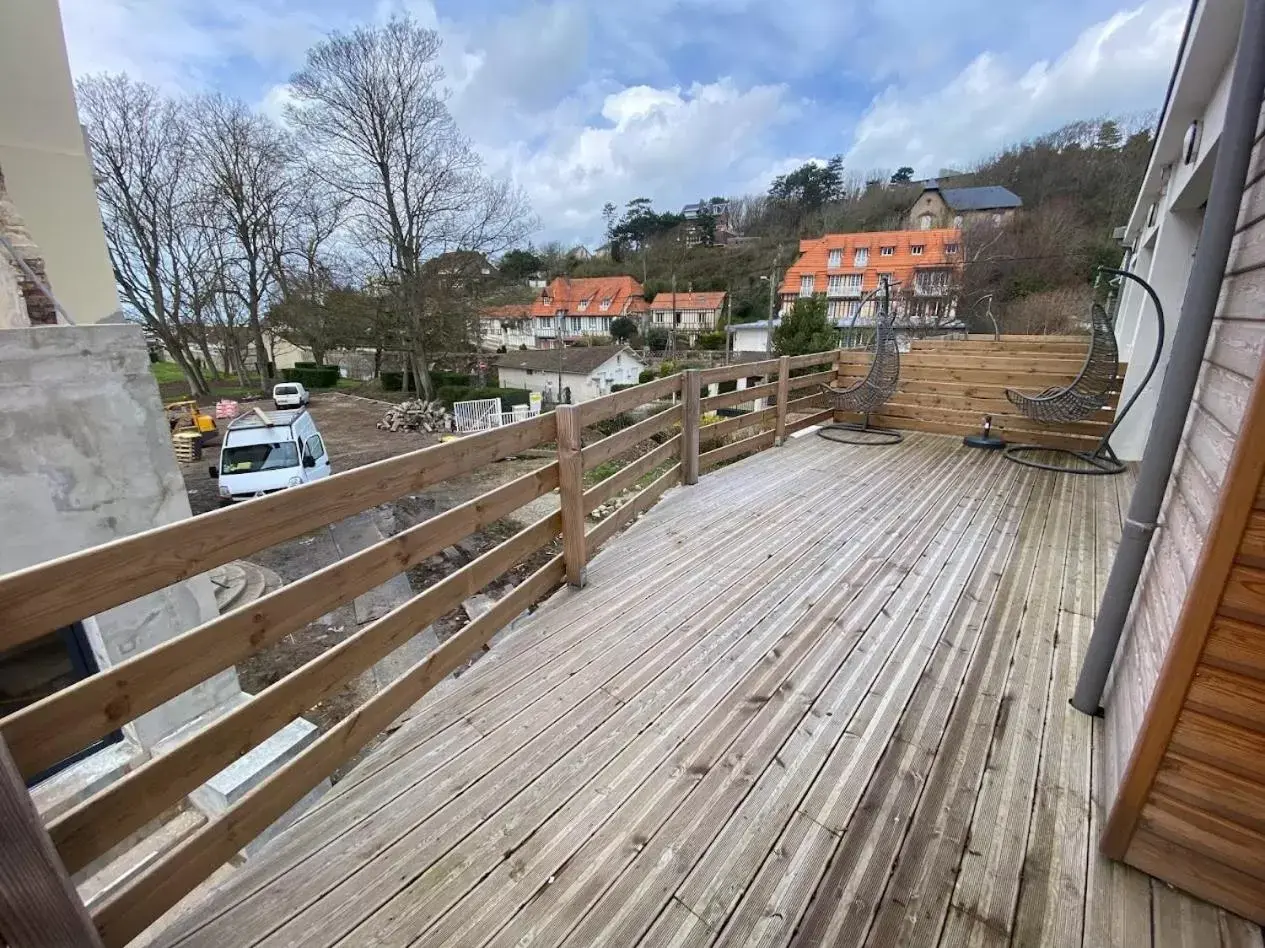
point(669, 144)
point(585, 102)
point(1119, 65)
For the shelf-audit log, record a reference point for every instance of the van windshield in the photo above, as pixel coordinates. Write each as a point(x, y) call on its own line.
point(286, 390)
point(248, 458)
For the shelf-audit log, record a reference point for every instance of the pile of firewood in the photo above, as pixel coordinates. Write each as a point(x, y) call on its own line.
point(411, 416)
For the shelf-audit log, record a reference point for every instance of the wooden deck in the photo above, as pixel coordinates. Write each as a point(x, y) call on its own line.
point(817, 699)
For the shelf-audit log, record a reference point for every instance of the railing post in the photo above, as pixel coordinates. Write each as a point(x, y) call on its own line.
point(690, 418)
point(38, 905)
point(783, 393)
point(571, 491)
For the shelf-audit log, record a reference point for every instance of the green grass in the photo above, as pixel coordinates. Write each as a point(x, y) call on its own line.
point(166, 372)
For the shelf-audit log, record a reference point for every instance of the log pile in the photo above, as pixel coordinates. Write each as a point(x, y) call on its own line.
point(417, 415)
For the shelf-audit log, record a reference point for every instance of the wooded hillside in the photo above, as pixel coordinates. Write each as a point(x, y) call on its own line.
point(1077, 183)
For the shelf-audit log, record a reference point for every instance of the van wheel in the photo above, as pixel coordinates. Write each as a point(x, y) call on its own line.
point(277, 406)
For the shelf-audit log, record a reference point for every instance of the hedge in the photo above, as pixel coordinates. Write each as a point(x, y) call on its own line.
point(307, 365)
point(321, 376)
point(620, 388)
point(647, 375)
point(462, 393)
point(441, 377)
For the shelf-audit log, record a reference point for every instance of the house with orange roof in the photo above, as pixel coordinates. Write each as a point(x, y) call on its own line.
point(688, 313)
point(506, 327)
point(569, 309)
point(923, 266)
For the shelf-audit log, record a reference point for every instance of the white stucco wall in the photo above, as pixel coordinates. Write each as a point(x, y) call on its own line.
point(1164, 245)
point(45, 162)
point(750, 338)
point(622, 369)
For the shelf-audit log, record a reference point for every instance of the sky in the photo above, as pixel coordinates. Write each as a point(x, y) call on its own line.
point(587, 101)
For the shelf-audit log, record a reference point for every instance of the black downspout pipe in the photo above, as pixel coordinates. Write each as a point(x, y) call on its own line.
point(1234, 154)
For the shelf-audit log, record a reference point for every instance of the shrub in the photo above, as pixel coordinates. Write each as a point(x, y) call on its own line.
point(307, 365)
point(463, 393)
point(391, 381)
point(668, 367)
point(620, 388)
point(442, 377)
point(647, 375)
point(711, 341)
point(316, 376)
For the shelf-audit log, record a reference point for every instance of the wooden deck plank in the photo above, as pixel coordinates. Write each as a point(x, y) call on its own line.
point(917, 896)
point(646, 699)
point(870, 827)
point(795, 677)
point(625, 908)
point(601, 862)
point(981, 911)
point(1052, 890)
point(720, 726)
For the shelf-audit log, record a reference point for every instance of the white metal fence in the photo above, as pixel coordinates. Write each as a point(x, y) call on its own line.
point(483, 414)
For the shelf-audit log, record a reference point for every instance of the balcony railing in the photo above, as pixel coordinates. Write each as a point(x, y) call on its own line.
point(46, 597)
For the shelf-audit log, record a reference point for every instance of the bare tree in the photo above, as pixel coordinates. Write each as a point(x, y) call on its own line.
point(245, 164)
point(142, 160)
point(371, 106)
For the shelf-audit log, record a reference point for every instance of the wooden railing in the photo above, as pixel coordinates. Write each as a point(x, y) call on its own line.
point(948, 386)
point(35, 894)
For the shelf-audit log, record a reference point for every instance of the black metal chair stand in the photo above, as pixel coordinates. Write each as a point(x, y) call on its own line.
point(870, 393)
point(1088, 392)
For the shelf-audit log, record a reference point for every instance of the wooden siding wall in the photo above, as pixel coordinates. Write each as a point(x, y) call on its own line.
point(947, 386)
point(1192, 810)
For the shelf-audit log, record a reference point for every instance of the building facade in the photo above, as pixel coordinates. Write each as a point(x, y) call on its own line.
point(922, 266)
point(570, 375)
point(962, 207)
point(688, 313)
point(507, 327)
point(568, 309)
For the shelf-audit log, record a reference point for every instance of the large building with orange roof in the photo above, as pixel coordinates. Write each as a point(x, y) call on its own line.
point(688, 313)
point(923, 266)
point(584, 306)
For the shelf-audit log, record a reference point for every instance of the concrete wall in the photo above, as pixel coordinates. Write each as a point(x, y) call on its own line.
point(87, 458)
point(45, 162)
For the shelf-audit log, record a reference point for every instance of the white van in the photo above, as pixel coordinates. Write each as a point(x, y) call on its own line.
point(265, 452)
point(289, 395)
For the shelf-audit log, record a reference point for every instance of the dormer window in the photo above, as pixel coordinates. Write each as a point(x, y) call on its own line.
point(582, 305)
point(606, 304)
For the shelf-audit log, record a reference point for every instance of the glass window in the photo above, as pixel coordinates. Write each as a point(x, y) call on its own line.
point(836, 259)
point(950, 248)
point(248, 458)
point(916, 250)
point(316, 447)
point(806, 285)
point(924, 222)
point(583, 305)
point(861, 257)
point(887, 251)
point(606, 304)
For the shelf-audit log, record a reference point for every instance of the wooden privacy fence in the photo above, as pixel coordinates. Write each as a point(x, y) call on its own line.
point(947, 386)
point(36, 897)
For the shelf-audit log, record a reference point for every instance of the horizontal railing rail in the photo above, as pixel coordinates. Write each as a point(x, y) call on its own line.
point(649, 456)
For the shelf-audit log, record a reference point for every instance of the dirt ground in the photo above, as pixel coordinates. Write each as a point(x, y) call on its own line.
point(348, 425)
